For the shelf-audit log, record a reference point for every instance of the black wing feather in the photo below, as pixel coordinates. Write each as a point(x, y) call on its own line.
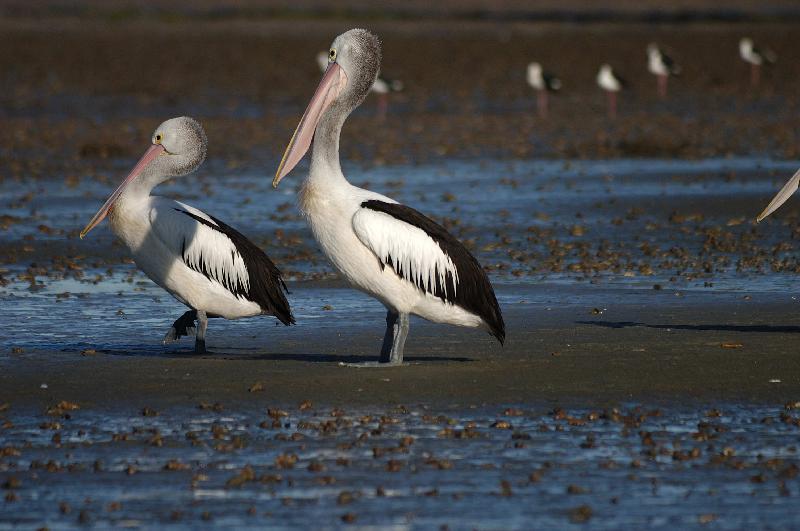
point(267, 288)
point(767, 55)
point(551, 82)
point(672, 66)
point(394, 85)
point(474, 292)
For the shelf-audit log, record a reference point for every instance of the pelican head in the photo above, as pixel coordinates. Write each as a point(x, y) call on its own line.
point(652, 49)
point(178, 147)
point(354, 60)
point(184, 139)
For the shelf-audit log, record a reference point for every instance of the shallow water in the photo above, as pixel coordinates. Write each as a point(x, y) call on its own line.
point(685, 466)
point(474, 191)
point(506, 468)
point(636, 221)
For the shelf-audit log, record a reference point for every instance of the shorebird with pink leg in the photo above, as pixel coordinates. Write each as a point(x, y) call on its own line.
point(543, 83)
point(662, 66)
point(755, 57)
point(611, 83)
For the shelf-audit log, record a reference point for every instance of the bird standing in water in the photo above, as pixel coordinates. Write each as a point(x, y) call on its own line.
point(202, 262)
point(543, 83)
point(390, 251)
point(611, 83)
point(755, 57)
point(662, 66)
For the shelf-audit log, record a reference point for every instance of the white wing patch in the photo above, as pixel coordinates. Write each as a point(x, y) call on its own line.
point(414, 255)
point(193, 236)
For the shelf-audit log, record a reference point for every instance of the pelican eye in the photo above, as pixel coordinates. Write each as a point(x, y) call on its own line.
point(158, 138)
point(332, 55)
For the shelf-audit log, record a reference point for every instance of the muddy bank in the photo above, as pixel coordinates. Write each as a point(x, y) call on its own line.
point(641, 345)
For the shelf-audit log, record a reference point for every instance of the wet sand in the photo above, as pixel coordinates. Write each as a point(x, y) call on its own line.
point(612, 407)
point(642, 346)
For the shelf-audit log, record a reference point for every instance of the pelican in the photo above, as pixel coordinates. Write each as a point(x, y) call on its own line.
point(755, 57)
point(611, 82)
point(662, 66)
point(542, 82)
point(382, 86)
point(390, 251)
point(202, 262)
point(780, 198)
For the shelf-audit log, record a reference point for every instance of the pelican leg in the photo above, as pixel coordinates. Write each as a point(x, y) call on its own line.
point(394, 340)
point(200, 339)
point(183, 326)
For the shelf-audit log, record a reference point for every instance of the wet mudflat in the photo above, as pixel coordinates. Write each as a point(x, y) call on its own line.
point(650, 377)
point(612, 404)
point(484, 467)
point(635, 221)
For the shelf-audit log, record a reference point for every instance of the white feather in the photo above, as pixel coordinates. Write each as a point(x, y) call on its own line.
point(417, 255)
point(607, 80)
point(655, 62)
point(200, 245)
point(535, 77)
point(154, 232)
point(748, 53)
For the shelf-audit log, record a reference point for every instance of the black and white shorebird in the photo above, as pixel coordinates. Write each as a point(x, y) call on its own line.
point(543, 83)
point(204, 263)
point(390, 251)
point(755, 57)
point(611, 83)
point(662, 66)
point(382, 86)
point(780, 198)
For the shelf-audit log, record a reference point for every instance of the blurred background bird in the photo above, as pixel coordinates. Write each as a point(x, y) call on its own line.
point(662, 66)
point(543, 83)
point(611, 83)
point(755, 57)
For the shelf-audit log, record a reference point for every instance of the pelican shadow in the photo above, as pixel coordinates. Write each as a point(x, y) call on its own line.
point(232, 355)
point(779, 329)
